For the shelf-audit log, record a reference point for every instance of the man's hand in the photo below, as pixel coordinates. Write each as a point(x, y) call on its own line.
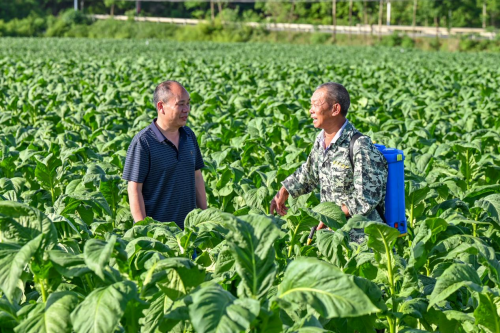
point(278, 204)
point(345, 210)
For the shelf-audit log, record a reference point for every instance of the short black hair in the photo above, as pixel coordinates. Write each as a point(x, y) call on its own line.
point(162, 91)
point(336, 93)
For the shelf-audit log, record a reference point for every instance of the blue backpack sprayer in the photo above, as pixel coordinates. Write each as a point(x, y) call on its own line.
point(395, 192)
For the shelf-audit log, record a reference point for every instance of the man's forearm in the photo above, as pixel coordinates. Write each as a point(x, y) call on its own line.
point(302, 181)
point(201, 194)
point(137, 206)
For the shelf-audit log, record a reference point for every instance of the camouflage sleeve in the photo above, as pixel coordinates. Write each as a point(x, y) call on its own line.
point(304, 179)
point(370, 178)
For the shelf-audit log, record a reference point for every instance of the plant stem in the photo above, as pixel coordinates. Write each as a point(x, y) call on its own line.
point(290, 249)
point(52, 195)
point(411, 214)
point(292, 240)
point(392, 323)
point(224, 204)
point(87, 278)
point(42, 288)
point(467, 169)
point(474, 230)
point(65, 231)
point(389, 267)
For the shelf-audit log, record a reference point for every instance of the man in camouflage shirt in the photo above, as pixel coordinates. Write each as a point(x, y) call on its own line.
point(357, 191)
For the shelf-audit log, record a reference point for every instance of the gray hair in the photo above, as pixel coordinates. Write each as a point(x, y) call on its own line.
point(162, 91)
point(336, 93)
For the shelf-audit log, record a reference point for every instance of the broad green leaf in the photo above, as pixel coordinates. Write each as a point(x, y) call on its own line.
point(109, 189)
point(477, 191)
point(103, 308)
point(257, 198)
point(225, 261)
point(325, 288)
point(176, 277)
point(46, 172)
point(487, 313)
point(381, 237)
point(251, 240)
point(8, 316)
point(155, 312)
point(208, 219)
point(216, 310)
point(13, 260)
point(164, 314)
point(97, 201)
point(330, 214)
point(68, 264)
point(307, 324)
point(455, 277)
point(55, 318)
point(413, 308)
point(146, 243)
point(298, 223)
point(21, 223)
point(97, 253)
point(436, 225)
point(459, 316)
point(330, 245)
point(491, 204)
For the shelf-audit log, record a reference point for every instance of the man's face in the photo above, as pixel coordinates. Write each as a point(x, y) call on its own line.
point(175, 110)
point(321, 110)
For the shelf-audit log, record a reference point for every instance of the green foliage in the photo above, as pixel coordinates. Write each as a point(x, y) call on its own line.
point(71, 258)
point(326, 289)
point(216, 310)
point(72, 23)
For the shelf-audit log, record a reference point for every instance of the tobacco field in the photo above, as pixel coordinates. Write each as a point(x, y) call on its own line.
point(71, 260)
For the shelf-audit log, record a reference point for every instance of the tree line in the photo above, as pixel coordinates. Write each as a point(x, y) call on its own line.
point(442, 13)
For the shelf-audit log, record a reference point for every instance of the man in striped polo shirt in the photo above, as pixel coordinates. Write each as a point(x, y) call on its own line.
point(164, 160)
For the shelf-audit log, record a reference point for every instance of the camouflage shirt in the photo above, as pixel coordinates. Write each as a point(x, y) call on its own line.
point(360, 190)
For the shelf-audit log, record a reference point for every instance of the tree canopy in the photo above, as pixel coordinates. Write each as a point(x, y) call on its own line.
point(445, 13)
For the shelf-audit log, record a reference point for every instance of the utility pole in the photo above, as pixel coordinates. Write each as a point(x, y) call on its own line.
point(380, 14)
point(484, 14)
point(388, 12)
point(75, 4)
point(220, 7)
point(212, 10)
point(290, 19)
point(350, 16)
point(365, 15)
point(449, 20)
point(436, 23)
point(334, 17)
point(137, 7)
point(414, 14)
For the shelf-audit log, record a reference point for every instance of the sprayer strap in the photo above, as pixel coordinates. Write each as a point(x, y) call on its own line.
point(355, 137)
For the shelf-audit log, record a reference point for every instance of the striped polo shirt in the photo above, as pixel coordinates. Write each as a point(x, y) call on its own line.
point(167, 173)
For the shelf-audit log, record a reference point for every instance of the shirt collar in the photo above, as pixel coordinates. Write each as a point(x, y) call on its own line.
point(335, 138)
point(159, 135)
